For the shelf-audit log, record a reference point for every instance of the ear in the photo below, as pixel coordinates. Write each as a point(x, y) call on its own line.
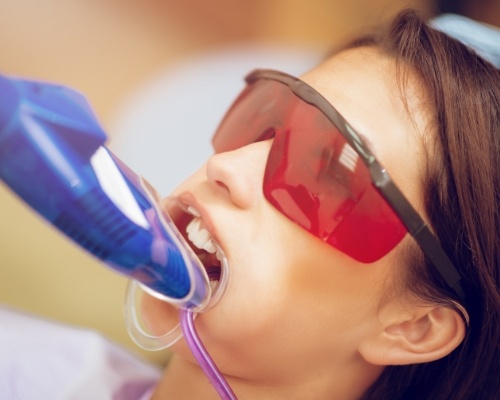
point(416, 335)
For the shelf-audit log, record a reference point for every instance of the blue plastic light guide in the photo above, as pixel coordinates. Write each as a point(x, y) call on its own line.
point(53, 155)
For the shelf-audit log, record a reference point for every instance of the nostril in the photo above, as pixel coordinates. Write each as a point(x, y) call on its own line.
point(222, 185)
point(239, 172)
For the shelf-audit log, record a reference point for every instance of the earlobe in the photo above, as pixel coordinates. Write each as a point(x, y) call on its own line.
point(422, 334)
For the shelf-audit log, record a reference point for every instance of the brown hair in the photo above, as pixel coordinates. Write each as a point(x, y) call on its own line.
point(462, 189)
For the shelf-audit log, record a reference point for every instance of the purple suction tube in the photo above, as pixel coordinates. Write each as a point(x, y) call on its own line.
point(199, 351)
point(204, 360)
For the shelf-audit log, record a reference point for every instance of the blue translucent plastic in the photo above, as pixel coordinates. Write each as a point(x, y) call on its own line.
point(49, 142)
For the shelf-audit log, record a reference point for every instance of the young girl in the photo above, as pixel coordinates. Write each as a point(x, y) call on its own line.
point(336, 290)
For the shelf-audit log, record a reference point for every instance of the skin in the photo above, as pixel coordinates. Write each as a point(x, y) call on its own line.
point(299, 319)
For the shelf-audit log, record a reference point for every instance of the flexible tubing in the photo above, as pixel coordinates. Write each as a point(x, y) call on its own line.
point(204, 360)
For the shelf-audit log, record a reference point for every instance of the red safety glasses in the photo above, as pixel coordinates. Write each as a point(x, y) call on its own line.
point(321, 174)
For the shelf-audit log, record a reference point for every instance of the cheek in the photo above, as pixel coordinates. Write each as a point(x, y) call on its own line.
point(275, 275)
point(257, 290)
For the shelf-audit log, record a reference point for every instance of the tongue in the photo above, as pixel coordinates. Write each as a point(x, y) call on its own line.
point(211, 264)
point(213, 272)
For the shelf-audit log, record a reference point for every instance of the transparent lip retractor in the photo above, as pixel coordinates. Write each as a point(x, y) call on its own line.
point(185, 328)
point(138, 330)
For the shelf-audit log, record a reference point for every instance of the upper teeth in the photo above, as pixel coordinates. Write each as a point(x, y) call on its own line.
point(194, 211)
point(199, 236)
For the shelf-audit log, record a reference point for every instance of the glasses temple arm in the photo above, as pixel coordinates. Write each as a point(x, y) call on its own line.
point(417, 228)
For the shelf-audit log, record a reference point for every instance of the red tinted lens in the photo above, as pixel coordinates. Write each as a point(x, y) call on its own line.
point(254, 116)
point(312, 175)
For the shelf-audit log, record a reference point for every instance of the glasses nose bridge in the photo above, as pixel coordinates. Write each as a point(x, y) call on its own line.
point(241, 172)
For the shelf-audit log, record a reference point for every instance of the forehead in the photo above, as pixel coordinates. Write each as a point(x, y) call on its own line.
point(362, 84)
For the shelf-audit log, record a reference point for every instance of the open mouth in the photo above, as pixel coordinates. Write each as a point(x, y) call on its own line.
point(204, 247)
point(190, 224)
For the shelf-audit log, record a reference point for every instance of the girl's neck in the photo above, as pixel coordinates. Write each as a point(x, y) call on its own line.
point(185, 380)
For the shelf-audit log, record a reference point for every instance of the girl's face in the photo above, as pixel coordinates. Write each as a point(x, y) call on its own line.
point(294, 304)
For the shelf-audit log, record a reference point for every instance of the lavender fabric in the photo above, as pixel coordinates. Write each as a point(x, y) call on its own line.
point(42, 360)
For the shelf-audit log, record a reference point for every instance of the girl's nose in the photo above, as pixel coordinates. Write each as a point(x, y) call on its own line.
point(241, 172)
